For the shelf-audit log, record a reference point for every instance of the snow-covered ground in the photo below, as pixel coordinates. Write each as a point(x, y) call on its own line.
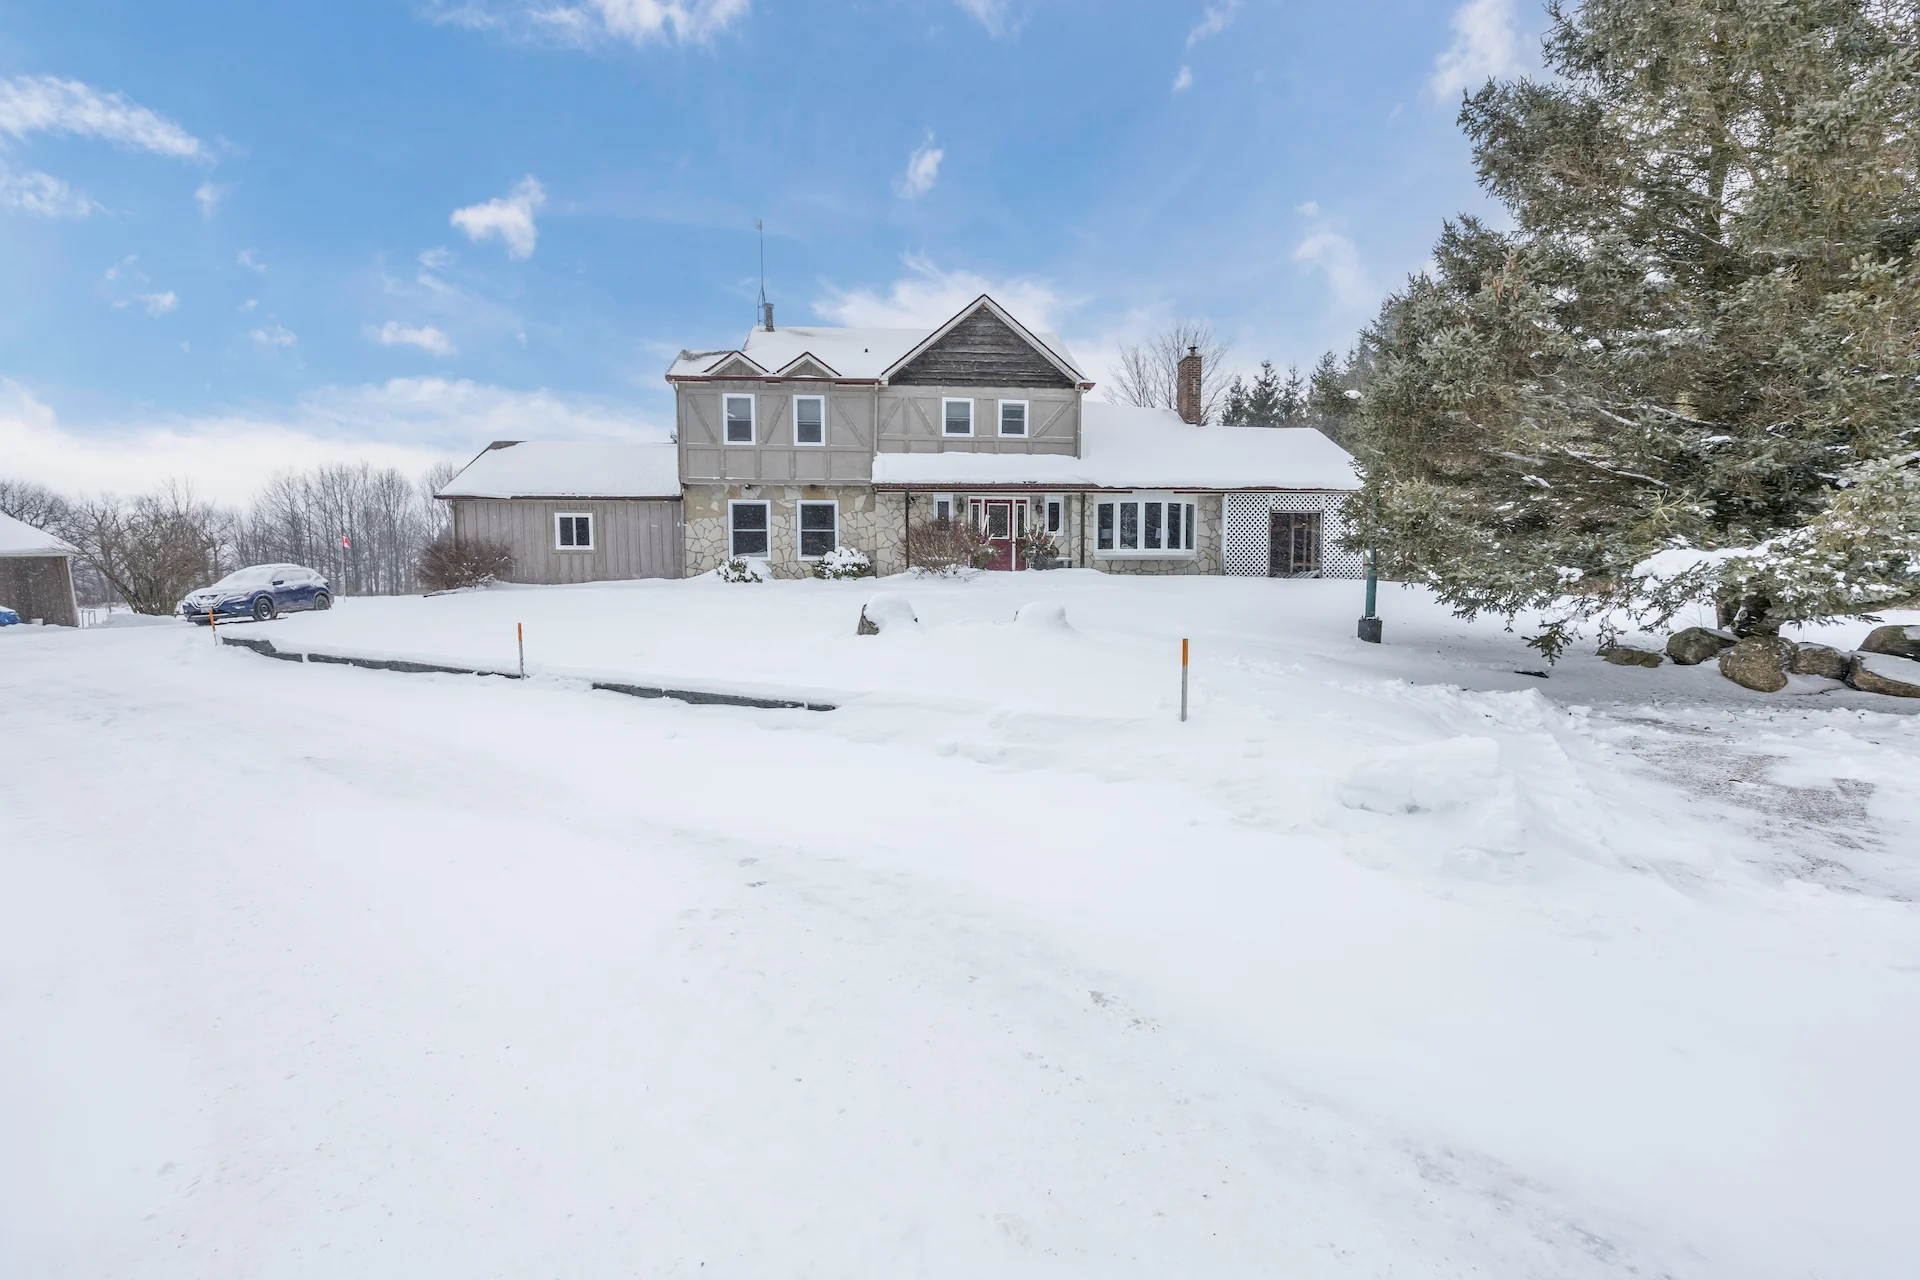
point(1390, 961)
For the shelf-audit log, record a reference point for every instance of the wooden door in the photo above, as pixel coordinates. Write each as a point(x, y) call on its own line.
point(999, 534)
point(1293, 550)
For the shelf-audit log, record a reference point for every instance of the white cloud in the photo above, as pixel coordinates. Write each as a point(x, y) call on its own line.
point(158, 304)
point(1311, 209)
point(928, 296)
point(509, 217)
point(408, 423)
point(589, 22)
point(48, 104)
point(249, 305)
point(1184, 80)
point(923, 169)
point(1213, 21)
point(395, 334)
point(248, 259)
point(995, 15)
point(274, 336)
point(41, 194)
point(209, 194)
point(436, 259)
point(1485, 45)
point(1335, 257)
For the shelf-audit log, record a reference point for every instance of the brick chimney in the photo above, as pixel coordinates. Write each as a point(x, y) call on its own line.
point(1187, 386)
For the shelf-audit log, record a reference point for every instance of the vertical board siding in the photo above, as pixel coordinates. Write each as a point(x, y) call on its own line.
point(632, 539)
point(39, 587)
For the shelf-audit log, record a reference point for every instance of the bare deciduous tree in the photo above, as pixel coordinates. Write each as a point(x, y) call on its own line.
point(1148, 373)
point(152, 549)
point(34, 504)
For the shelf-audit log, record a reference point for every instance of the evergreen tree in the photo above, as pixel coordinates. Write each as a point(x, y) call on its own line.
point(1233, 412)
point(1332, 396)
point(1700, 337)
point(1264, 398)
point(1290, 399)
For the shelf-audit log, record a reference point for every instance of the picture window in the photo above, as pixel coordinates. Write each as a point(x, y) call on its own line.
point(1144, 527)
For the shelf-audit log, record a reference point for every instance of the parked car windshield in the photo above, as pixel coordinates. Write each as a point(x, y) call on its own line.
point(258, 575)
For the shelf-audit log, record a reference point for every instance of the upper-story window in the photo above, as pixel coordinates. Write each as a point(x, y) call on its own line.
point(809, 419)
point(739, 412)
point(956, 417)
point(1013, 417)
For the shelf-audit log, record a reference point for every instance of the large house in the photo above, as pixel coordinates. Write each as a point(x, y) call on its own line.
point(804, 439)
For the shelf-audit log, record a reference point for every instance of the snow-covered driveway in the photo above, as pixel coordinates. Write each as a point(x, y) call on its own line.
point(315, 971)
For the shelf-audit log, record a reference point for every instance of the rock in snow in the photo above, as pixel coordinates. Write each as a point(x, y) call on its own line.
point(1880, 673)
point(1901, 642)
point(1621, 655)
point(1696, 644)
point(1759, 663)
point(883, 611)
point(1819, 660)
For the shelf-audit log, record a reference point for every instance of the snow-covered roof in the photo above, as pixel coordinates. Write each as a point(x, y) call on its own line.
point(18, 538)
point(1124, 447)
point(848, 353)
point(553, 469)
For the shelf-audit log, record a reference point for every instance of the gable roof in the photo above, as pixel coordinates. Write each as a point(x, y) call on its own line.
point(983, 302)
point(1123, 447)
point(18, 538)
point(568, 469)
point(863, 355)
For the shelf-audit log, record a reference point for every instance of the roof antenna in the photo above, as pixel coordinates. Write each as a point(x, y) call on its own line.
point(766, 308)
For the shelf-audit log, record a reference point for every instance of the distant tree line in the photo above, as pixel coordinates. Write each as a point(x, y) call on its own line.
point(363, 527)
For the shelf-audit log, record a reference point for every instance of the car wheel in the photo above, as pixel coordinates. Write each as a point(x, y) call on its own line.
point(263, 608)
point(323, 601)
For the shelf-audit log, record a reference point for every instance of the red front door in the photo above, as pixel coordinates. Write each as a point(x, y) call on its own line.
point(1000, 534)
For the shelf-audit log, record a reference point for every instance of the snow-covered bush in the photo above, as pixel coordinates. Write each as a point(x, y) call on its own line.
point(843, 562)
point(447, 564)
point(738, 569)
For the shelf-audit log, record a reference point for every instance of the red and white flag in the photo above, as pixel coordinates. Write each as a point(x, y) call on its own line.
point(345, 541)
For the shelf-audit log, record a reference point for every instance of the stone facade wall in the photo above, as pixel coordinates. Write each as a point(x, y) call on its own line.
point(872, 522)
point(1206, 546)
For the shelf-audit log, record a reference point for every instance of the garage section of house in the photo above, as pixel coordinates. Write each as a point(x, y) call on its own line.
point(573, 511)
point(36, 574)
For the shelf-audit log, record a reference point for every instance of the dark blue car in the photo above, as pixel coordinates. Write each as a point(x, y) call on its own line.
point(8, 618)
point(260, 592)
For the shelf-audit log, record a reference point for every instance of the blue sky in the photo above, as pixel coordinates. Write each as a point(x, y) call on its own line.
point(236, 236)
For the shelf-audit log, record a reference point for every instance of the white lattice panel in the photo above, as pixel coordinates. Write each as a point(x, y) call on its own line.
point(1244, 540)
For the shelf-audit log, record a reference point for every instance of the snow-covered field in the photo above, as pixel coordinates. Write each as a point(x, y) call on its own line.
point(1390, 961)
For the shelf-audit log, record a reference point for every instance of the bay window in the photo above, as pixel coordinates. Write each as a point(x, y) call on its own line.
point(1144, 526)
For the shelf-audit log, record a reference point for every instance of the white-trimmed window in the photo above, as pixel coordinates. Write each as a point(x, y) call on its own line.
point(1148, 526)
point(1013, 417)
point(738, 411)
point(956, 417)
point(809, 419)
point(573, 531)
point(943, 508)
point(747, 529)
point(1053, 516)
point(819, 529)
